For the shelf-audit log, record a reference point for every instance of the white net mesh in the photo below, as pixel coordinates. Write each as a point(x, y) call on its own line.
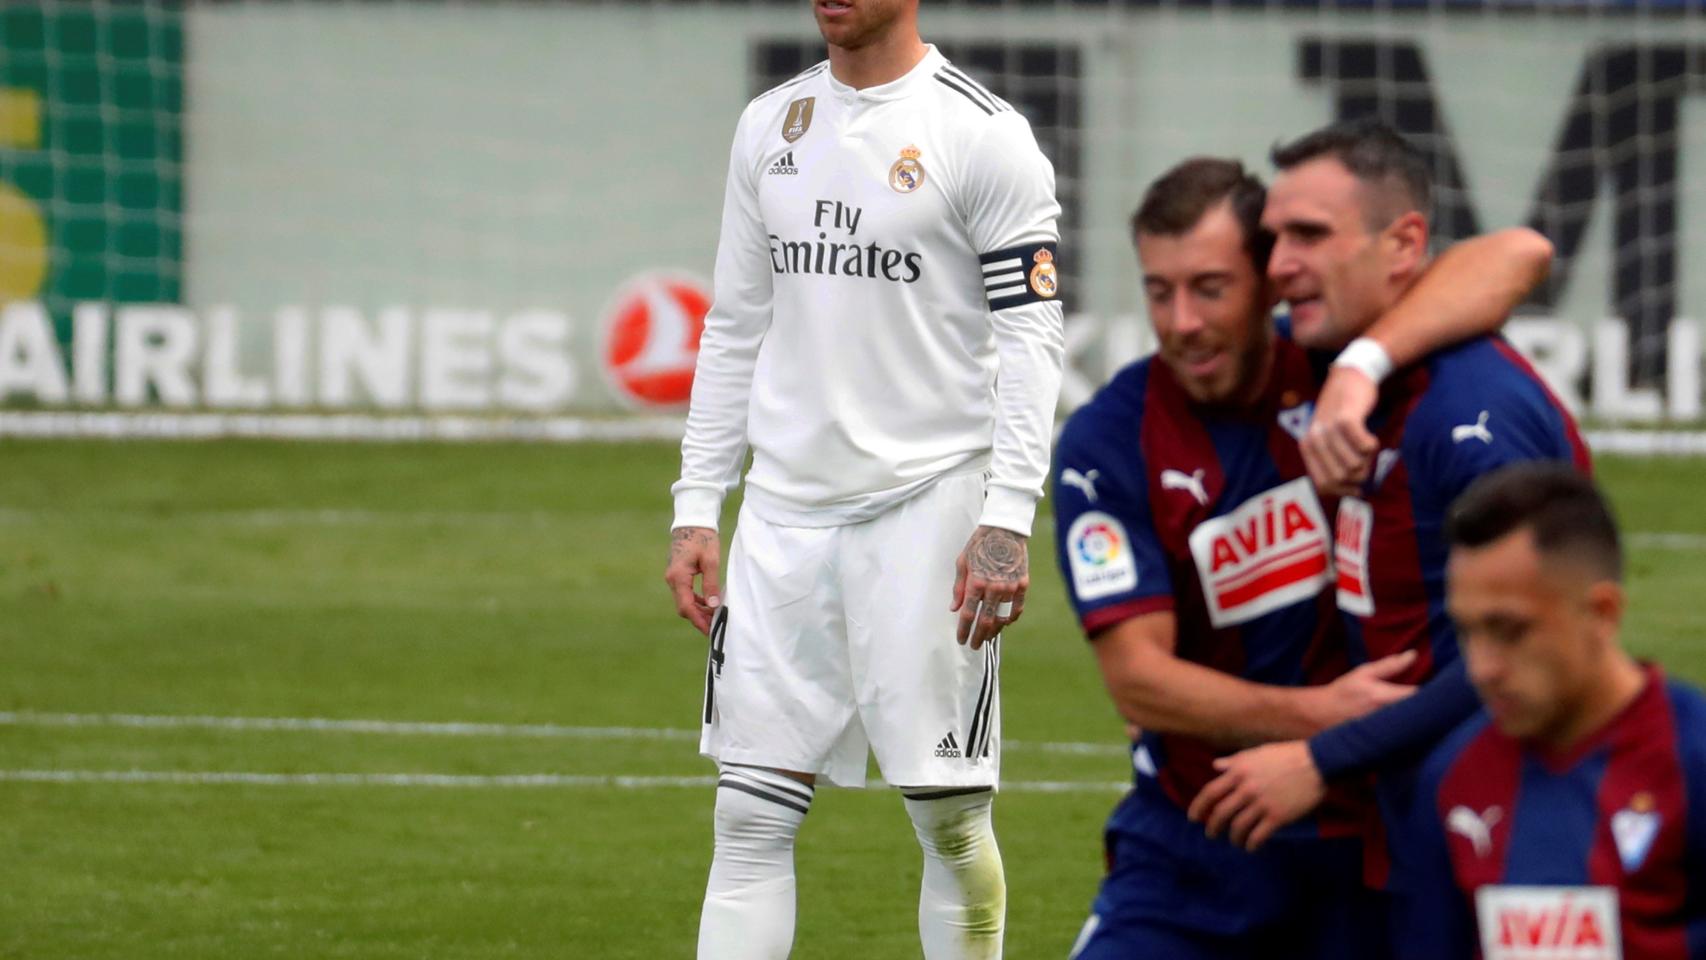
point(492, 207)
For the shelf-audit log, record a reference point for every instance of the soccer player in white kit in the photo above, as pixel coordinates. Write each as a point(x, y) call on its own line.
point(886, 337)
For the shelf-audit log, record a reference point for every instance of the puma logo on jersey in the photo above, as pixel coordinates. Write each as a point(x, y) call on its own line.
point(1477, 828)
point(1477, 430)
point(1271, 552)
point(1083, 481)
point(785, 166)
point(1191, 483)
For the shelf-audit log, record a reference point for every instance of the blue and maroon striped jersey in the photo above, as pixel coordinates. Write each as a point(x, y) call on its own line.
point(1164, 505)
point(1523, 854)
point(1462, 412)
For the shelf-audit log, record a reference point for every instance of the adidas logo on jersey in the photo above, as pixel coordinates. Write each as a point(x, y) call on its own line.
point(949, 747)
point(785, 166)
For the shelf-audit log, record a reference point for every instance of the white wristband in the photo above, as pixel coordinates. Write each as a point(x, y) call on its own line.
point(1366, 356)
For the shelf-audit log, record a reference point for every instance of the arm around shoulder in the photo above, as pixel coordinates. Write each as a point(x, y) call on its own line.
point(1468, 291)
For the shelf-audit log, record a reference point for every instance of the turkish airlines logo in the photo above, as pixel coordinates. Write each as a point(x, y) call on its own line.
point(1356, 523)
point(1548, 923)
point(651, 339)
point(1271, 552)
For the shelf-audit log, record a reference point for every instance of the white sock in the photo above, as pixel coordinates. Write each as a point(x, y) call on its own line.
point(962, 904)
point(749, 898)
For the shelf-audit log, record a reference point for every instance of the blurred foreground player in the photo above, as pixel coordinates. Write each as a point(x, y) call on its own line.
point(1197, 556)
point(1568, 819)
point(886, 336)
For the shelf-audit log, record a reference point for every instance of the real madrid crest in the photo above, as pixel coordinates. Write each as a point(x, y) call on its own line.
point(799, 119)
point(907, 174)
point(1045, 281)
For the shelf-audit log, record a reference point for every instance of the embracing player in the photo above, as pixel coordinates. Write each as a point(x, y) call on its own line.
point(1349, 211)
point(1566, 819)
point(1197, 556)
point(886, 337)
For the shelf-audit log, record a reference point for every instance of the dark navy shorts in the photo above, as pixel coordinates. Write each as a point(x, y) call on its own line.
point(1173, 893)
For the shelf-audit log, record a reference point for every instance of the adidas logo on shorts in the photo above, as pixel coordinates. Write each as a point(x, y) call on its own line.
point(949, 747)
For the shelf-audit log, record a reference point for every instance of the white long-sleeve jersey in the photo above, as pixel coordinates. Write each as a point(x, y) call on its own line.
point(886, 304)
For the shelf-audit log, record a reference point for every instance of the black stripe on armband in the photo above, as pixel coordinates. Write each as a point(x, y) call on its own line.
point(1028, 273)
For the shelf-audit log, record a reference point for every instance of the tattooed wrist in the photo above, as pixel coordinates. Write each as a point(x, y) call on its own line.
point(696, 536)
point(997, 555)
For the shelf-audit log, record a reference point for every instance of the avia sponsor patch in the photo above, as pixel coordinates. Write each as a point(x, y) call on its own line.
point(1548, 923)
point(1271, 552)
point(1350, 555)
point(1099, 555)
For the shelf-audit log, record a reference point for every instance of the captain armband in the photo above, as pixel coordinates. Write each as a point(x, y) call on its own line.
point(1020, 275)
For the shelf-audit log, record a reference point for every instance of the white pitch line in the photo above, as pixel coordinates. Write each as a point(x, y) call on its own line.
point(338, 426)
point(506, 781)
point(356, 517)
point(327, 517)
point(1661, 540)
point(329, 725)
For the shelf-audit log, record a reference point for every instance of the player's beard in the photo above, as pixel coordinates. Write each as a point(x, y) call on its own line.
point(1248, 375)
point(868, 22)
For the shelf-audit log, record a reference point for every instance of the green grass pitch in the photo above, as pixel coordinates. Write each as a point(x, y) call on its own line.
point(481, 584)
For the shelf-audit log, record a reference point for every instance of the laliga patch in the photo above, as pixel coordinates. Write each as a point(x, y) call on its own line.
point(1099, 555)
point(1548, 923)
point(1634, 828)
point(1271, 552)
point(1350, 556)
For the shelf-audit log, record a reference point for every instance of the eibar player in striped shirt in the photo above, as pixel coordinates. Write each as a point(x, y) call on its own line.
point(886, 339)
point(1350, 211)
point(1197, 557)
point(1566, 818)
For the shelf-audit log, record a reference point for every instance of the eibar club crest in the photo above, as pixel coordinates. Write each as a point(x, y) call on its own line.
point(1045, 281)
point(799, 119)
point(1634, 828)
point(907, 174)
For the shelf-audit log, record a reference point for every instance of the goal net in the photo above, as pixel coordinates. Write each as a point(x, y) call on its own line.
point(508, 211)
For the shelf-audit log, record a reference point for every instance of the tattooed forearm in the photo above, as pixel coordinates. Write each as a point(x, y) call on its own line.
point(997, 556)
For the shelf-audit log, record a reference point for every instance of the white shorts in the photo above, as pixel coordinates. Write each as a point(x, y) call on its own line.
point(833, 642)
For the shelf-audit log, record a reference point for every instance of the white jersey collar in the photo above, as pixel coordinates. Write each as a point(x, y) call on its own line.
point(894, 89)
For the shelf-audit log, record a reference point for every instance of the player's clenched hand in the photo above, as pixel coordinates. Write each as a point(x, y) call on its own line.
point(990, 580)
point(1338, 450)
point(1366, 689)
point(1259, 790)
point(695, 552)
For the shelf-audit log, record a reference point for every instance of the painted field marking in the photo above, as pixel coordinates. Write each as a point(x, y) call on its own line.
point(536, 730)
point(356, 517)
point(442, 780)
point(165, 425)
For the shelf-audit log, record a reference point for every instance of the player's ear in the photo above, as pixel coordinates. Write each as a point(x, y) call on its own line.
point(1606, 602)
point(1407, 238)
